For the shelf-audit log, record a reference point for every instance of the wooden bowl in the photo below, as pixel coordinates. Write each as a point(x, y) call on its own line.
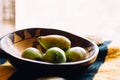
point(13, 44)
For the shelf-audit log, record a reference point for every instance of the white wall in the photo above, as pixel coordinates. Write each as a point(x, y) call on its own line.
point(76, 16)
point(0, 11)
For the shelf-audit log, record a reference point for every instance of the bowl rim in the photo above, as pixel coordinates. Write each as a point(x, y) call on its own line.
point(49, 63)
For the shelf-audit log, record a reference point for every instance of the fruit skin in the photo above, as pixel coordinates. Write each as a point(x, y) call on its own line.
point(49, 41)
point(54, 55)
point(32, 53)
point(76, 54)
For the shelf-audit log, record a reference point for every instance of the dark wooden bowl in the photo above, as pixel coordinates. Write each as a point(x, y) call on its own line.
point(14, 43)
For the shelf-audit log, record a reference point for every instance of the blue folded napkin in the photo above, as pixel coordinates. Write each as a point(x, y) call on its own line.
point(88, 74)
point(2, 58)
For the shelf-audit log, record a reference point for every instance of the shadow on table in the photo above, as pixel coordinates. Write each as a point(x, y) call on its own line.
point(88, 74)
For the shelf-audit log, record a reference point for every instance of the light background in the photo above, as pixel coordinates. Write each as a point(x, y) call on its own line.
point(76, 16)
point(0, 11)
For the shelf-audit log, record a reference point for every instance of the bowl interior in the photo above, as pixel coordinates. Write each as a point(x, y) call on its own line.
point(15, 43)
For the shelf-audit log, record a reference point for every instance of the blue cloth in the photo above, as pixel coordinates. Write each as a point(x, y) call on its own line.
point(2, 58)
point(86, 75)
